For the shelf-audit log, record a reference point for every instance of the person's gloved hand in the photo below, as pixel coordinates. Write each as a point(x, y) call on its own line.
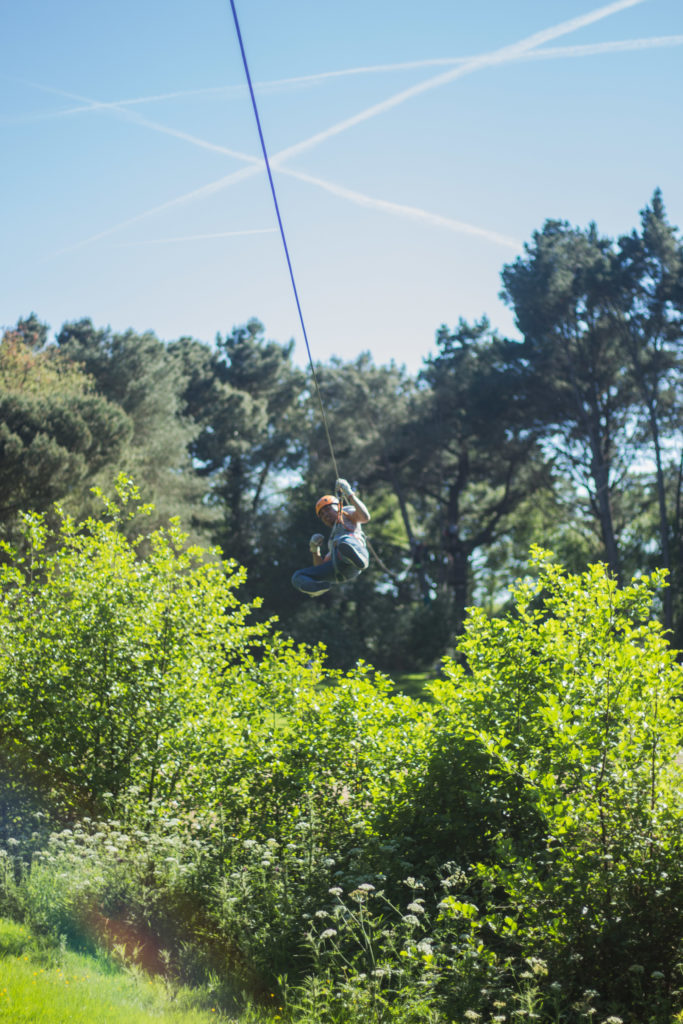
point(344, 486)
point(315, 542)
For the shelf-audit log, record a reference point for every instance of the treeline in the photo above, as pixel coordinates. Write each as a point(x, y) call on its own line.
point(570, 438)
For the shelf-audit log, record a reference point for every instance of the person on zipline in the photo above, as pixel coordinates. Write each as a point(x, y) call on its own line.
point(347, 551)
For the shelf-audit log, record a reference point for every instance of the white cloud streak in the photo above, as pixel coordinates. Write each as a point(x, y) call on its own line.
point(199, 193)
point(131, 115)
point(601, 49)
point(500, 56)
point(496, 57)
point(544, 53)
point(411, 212)
point(196, 238)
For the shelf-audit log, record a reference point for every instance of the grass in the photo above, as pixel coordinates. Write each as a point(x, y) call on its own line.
point(413, 684)
point(51, 985)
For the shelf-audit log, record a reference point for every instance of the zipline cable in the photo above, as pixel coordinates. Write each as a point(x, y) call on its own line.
point(282, 233)
point(264, 150)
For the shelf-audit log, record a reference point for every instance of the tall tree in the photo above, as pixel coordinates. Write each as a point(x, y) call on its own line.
point(56, 433)
point(244, 394)
point(565, 297)
point(651, 268)
point(138, 373)
point(475, 457)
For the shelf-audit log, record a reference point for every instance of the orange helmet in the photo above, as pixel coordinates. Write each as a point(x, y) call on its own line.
point(321, 503)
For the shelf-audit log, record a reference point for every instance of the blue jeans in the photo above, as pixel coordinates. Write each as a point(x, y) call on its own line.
point(318, 579)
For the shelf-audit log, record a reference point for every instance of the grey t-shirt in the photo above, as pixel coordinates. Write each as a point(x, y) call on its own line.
point(346, 529)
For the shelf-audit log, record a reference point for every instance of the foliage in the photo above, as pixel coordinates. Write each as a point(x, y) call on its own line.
point(563, 294)
point(651, 268)
point(134, 682)
point(244, 396)
point(554, 781)
point(599, 369)
point(569, 437)
point(576, 697)
point(501, 849)
point(56, 433)
point(112, 663)
point(141, 378)
point(183, 774)
point(475, 468)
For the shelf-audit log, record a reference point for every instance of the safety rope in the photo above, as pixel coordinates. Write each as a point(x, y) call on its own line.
point(282, 234)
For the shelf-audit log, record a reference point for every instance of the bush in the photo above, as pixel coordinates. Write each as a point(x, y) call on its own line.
point(533, 806)
point(111, 661)
point(576, 697)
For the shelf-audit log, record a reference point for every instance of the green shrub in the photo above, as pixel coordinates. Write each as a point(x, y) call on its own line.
point(111, 661)
point(14, 938)
point(234, 782)
point(575, 696)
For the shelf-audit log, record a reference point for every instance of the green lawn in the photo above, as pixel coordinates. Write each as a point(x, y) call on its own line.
point(55, 986)
point(413, 684)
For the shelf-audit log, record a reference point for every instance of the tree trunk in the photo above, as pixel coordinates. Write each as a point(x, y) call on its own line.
point(663, 520)
point(457, 551)
point(457, 574)
point(412, 540)
point(600, 473)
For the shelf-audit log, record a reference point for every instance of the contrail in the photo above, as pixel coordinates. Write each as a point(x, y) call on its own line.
point(545, 53)
point(412, 212)
point(499, 56)
point(201, 192)
point(131, 115)
point(87, 106)
point(504, 54)
point(358, 198)
point(598, 49)
point(256, 165)
point(197, 238)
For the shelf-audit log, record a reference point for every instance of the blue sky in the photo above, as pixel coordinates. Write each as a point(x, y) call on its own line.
point(415, 148)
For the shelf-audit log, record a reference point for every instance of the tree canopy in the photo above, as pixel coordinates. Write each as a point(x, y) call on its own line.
point(569, 436)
